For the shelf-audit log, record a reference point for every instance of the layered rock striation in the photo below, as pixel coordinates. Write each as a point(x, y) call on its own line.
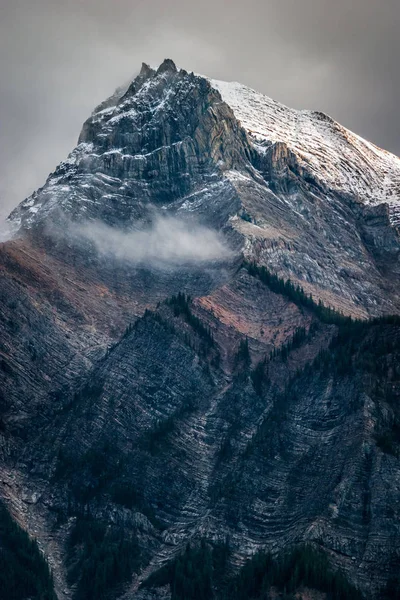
point(171, 403)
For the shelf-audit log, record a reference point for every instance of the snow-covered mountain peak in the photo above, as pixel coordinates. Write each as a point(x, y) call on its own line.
point(167, 133)
point(334, 155)
point(290, 189)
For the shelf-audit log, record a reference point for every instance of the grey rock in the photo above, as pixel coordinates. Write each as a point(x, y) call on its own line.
point(170, 415)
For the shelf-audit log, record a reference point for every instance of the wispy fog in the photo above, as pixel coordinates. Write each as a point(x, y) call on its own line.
point(6, 231)
point(168, 241)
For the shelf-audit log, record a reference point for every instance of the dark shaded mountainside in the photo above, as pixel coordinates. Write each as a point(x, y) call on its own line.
point(224, 427)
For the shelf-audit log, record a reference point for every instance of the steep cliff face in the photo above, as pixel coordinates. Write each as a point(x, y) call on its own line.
point(292, 189)
point(168, 136)
point(136, 417)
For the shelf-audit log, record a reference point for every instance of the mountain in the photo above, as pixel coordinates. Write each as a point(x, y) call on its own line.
point(200, 342)
point(321, 204)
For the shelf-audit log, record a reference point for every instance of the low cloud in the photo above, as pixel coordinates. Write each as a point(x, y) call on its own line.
point(168, 241)
point(6, 230)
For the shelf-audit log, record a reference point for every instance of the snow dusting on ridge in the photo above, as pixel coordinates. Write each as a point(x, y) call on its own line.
point(332, 153)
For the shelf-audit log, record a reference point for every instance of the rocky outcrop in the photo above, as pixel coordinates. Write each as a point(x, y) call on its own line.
point(240, 412)
point(178, 143)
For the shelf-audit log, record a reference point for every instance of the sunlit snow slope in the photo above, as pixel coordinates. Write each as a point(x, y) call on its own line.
point(332, 153)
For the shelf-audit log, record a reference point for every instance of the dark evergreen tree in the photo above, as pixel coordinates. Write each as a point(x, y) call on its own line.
point(101, 558)
point(24, 572)
point(243, 359)
point(181, 306)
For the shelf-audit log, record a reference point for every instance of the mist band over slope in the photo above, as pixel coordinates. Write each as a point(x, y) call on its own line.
point(168, 241)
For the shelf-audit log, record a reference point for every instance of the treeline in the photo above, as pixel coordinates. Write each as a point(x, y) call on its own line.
point(304, 566)
point(359, 350)
point(360, 346)
point(101, 559)
point(342, 356)
point(24, 572)
point(259, 375)
point(297, 340)
point(200, 573)
point(181, 306)
point(193, 574)
point(242, 359)
point(148, 314)
point(298, 296)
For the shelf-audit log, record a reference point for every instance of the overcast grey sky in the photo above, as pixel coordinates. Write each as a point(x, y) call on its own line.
point(58, 59)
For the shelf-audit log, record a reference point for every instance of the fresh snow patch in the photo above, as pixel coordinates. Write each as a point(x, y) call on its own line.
point(332, 153)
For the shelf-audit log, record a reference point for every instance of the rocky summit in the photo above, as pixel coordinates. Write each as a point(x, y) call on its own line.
point(200, 356)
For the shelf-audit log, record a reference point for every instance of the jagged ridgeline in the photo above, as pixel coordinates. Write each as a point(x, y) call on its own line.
point(200, 356)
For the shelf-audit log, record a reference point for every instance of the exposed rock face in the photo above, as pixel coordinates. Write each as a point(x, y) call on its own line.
point(189, 445)
point(144, 151)
point(321, 202)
